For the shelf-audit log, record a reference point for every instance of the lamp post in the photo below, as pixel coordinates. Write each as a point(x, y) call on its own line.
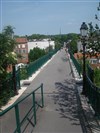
point(84, 31)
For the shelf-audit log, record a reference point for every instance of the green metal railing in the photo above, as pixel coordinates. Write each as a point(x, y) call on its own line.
point(90, 73)
point(34, 66)
point(10, 86)
point(76, 63)
point(31, 111)
point(92, 92)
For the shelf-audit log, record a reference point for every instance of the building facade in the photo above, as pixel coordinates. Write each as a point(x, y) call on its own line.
point(43, 44)
point(22, 50)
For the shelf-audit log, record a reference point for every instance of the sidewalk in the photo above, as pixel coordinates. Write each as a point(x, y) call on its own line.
point(92, 123)
point(65, 110)
point(61, 111)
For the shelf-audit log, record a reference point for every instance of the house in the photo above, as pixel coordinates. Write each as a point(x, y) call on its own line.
point(22, 50)
point(94, 61)
point(43, 44)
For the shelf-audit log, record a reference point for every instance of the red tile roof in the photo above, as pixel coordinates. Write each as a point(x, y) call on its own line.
point(80, 55)
point(21, 40)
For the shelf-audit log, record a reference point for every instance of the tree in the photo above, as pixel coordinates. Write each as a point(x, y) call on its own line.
point(93, 40)
point(8, 31)
point(7, 56)
point(94, 37)
point(73, 41)
point(57, 45)
point(36, 53)
point(73, 46)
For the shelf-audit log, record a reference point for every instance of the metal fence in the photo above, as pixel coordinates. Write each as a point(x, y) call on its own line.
point(90, 73)
point(29, 114)
point(76, 63)
point(34, 66)
point(7, 87)
point(10, 86)
point(92, 92)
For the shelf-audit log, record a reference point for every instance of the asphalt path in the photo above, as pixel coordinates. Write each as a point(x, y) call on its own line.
point(61, 110)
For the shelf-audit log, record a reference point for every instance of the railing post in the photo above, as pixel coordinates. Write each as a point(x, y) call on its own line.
point(34, 108)
point(42, 95)
point(14, 81)
point(96, 102)
point(17, 118)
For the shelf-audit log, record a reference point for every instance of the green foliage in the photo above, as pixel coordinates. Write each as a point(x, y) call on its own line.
point(97, 77)
point(57, 45)
point(48, 49)
point(8, 31)
point(36, 53)
point(72, 36)
point(59, 38)
point(6, 95)
point(36, 36)
point(6, 90)
point(23, 73)
point(73, 46)
point(94, 40)
point(72, 39)
point(7, 56)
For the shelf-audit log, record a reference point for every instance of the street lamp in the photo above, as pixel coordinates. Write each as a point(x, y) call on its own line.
point(84, 32)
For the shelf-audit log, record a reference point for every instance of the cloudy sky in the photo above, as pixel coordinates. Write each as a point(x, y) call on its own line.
point(47, 16)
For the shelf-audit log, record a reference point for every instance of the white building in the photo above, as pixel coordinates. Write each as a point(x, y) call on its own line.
point(40, 44)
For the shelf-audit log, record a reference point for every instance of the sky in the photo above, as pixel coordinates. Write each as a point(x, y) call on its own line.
point(47, 17)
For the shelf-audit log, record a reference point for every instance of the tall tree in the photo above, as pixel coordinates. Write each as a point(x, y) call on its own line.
point(7, 56)
point(94, 40)
point(8, 31)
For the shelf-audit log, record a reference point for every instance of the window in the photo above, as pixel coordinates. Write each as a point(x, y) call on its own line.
point(23, 45)
point(93, 61)
point(23, 51)
point(19, 50)
point(18, 46)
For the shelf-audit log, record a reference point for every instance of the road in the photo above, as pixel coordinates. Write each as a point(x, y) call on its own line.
point(61, 111)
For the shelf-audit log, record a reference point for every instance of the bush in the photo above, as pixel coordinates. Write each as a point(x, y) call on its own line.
point(97, 77)
point(36, 53)
point(23, 73)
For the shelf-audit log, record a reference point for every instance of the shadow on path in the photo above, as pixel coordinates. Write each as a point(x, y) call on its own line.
point(92, 122)
point(65, 97)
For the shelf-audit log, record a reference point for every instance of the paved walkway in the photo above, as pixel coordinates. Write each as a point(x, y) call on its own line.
point(61, 111)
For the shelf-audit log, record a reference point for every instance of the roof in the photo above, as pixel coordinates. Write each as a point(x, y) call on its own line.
point(80, 55)
point(21, 40)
